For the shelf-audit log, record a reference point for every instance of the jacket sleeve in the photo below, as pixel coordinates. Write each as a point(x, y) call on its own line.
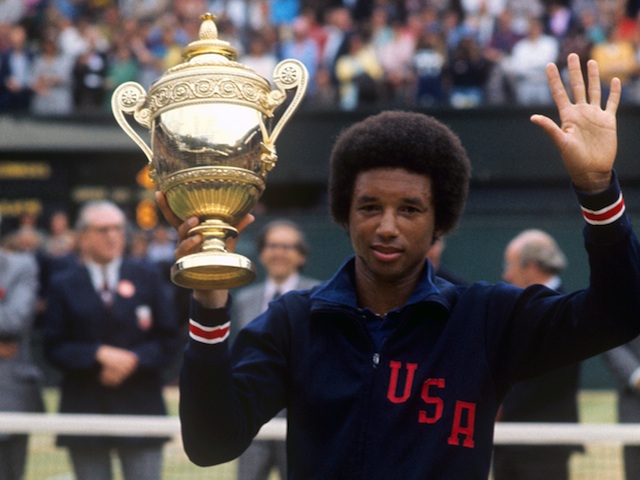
point(624, 362)
point(19, 298)
point(539, 329)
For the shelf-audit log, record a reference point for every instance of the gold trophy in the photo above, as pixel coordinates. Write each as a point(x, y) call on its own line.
point(211, 145)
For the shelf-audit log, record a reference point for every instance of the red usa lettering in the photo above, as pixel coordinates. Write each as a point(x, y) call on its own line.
point(464, 414)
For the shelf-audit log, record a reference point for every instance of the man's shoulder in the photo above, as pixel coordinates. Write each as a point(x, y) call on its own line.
point(18, 260)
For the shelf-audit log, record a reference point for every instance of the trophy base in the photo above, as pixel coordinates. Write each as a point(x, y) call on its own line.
point(212, 270)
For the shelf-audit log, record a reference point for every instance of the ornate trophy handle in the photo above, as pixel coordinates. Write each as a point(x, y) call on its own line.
point(131, 98)
point(288, 74)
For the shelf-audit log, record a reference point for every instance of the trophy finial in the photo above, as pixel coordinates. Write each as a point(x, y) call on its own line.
point(209, 43)
point(208, 29)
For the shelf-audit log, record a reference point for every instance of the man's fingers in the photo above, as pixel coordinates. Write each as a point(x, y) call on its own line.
point(556, 86)
point(576, 79)
point(245, 221)
point(614, 96)
point(593, 75)
point(168, 214)
point(550, 128)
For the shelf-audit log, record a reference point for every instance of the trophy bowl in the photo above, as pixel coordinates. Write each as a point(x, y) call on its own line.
point(212, 128)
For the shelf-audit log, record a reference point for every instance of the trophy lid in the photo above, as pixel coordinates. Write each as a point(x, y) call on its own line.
point(209, 43)
point(210, 74)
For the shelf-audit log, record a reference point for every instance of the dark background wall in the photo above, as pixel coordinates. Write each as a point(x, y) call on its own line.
point(518, 182)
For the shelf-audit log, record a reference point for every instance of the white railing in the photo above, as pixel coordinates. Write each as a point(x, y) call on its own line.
point(132, 425)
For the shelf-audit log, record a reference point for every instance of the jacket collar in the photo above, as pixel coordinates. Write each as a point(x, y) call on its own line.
point(340, 291)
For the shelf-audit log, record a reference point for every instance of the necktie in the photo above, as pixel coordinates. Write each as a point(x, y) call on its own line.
point(276, 295)
point(105, 291)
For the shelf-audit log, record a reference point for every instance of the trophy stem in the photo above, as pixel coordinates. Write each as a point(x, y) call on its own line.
point(215, 234)
point(213, 266)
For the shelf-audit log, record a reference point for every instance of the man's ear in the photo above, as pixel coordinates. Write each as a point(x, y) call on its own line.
point(437, 234)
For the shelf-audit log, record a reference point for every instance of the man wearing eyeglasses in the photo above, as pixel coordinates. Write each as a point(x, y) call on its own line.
point(282, 250)
point(111, 329)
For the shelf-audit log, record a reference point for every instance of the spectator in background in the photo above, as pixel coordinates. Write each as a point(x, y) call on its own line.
point(483, 13)
point(576, 41)
point(523, 11)
point(525, 67)
point(282, 250)
point(359, 73)
point(302, 47)
point(121, 67)
point(466, 73)
point(162, 245)
point(20, 378)
point(381, 30)
point(617, 58)
point(138, 245)
point(338, 26)
point(534, 258)
point(148, 67)
point(111, 330)
point(15, 72)
point(429, 62)
point(72, 40)
point(593, 28)
point(146, 9)
point(283, 12)
point(61, 239)
point(260, 57)
point(52, 81)
point(167, 50)
point(326, 96)
point(558, 19)
point(500, 46)
point(89, 74)
point(624, 363)
point(12, 11)
point(396, 58)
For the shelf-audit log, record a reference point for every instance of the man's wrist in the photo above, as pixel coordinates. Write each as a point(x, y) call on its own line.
point(604, 207)
point(211, 298)
point(209, 325)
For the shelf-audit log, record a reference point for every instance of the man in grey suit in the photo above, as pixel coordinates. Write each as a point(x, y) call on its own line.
point(19, 376)
point(624, 362)
point(282, 250)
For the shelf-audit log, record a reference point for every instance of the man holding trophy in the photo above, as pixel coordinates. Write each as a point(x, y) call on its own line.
point(386, 370)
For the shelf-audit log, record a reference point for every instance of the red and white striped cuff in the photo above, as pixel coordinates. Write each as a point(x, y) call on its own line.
point(210, 335)
point(606, 215)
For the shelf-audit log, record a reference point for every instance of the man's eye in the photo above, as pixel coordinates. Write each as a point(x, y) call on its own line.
point(409, 210)
point(368, 208)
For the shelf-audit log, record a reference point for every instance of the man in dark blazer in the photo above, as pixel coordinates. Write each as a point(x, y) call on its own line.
point(282, 250)
point(111, 329)
point(533, 257)
point(624, 362)
point(20, 378)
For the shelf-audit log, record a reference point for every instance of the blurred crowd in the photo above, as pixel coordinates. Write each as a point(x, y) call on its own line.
point(59, 57)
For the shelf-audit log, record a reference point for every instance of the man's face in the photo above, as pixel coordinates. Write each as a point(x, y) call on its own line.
point(391, 224)
point(514, 273)
point(104, 238)
point(281, 256)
